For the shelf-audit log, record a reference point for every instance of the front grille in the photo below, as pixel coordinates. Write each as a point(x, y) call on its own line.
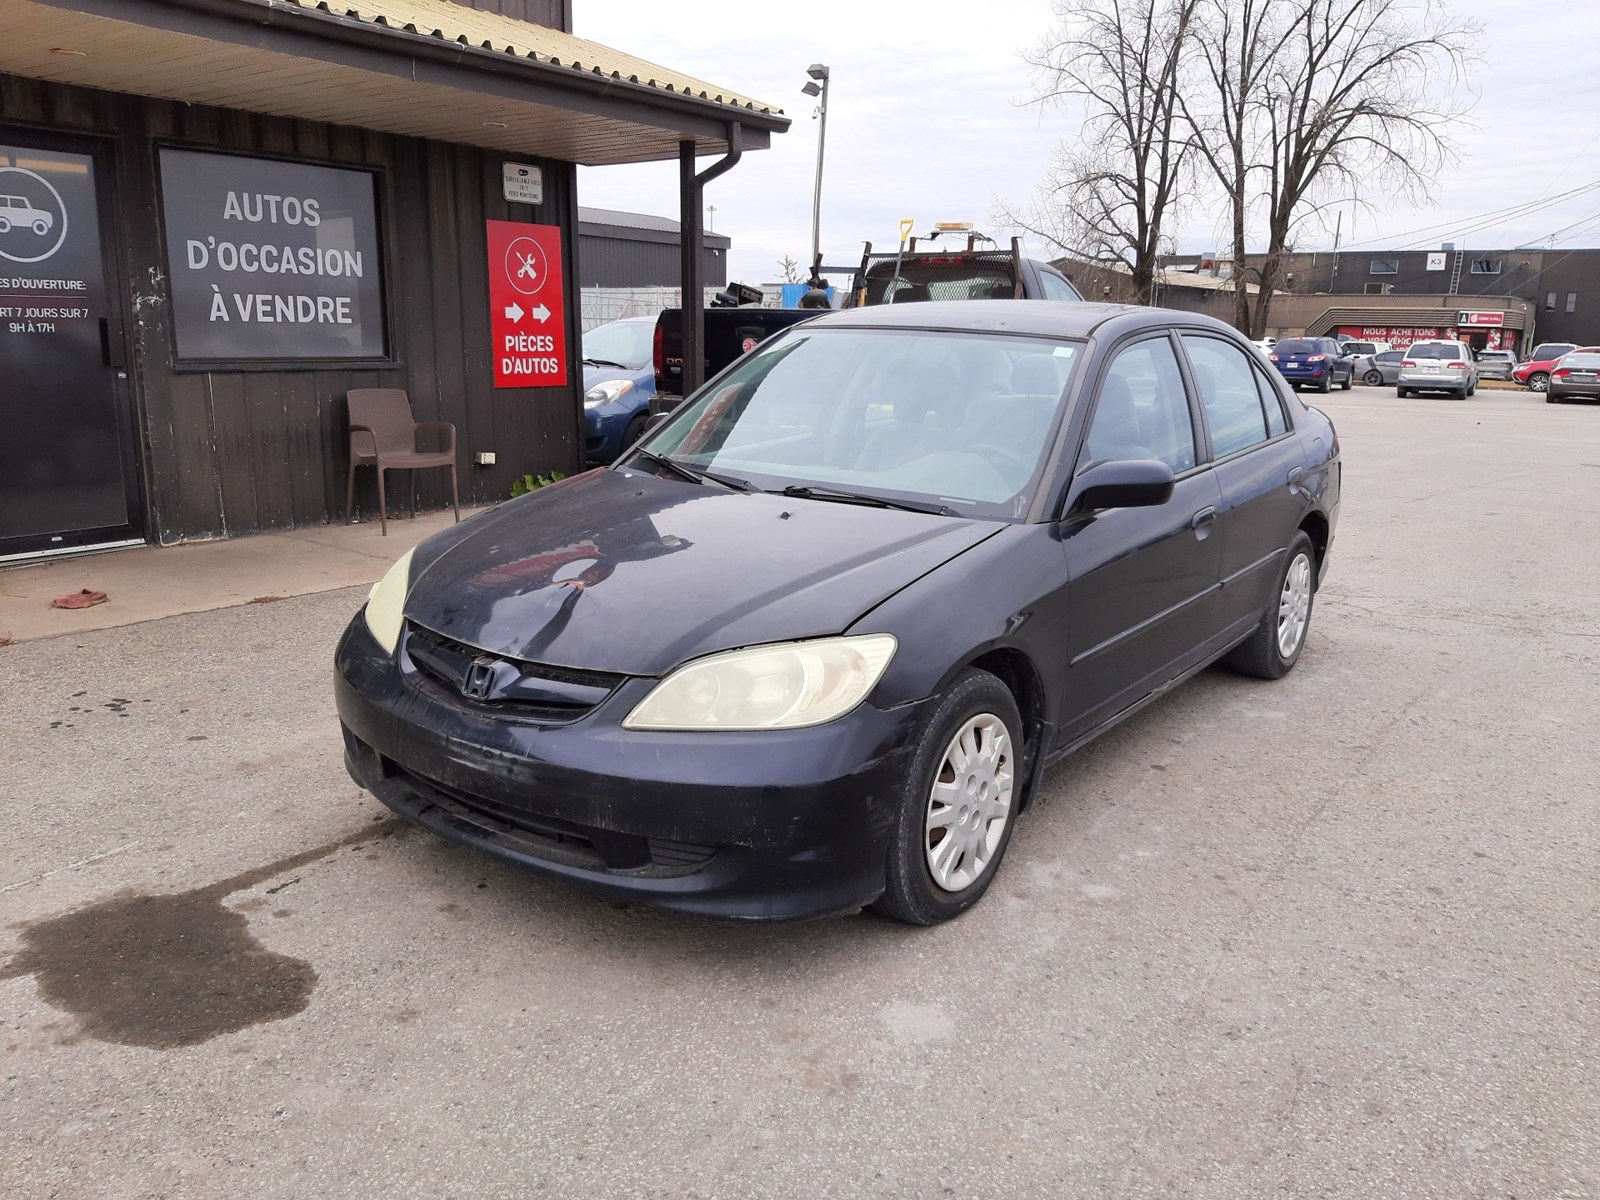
point(508, 686)
point(560, 840)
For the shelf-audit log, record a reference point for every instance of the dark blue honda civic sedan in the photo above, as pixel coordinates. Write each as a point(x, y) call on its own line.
point(811, 644)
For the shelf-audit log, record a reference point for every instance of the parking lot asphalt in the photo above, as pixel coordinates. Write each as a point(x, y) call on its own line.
point(1334, 936)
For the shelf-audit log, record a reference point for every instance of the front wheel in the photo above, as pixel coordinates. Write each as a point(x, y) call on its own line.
point(1539, 381)
point(1273, 649)
point(1373, 379)
point(41, 227)
point(957, 805)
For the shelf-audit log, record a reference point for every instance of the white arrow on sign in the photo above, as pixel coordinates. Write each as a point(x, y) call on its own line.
point(514, 312)
point(540, 314)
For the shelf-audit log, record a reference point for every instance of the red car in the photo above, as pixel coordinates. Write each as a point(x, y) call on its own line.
point(1534, 372)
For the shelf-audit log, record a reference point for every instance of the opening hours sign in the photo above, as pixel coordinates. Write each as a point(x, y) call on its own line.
point(527, 309)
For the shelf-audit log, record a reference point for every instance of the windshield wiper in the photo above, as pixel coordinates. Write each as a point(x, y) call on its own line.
point(807, 492)
point(697, 474)
point(606, 362)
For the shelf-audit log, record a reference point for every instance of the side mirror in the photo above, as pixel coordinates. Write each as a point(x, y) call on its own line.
point(656, 421)
point(1130, 483)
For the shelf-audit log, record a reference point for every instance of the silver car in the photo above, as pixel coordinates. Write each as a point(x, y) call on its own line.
point(1377, 370)
point(1437, 367)
point(1496, 364)
point(1575, 377)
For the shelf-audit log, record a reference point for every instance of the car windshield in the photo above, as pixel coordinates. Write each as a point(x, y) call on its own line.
point(1297, 346)
point(958, 420)
point(1448, 350)
point(626, 343)
point(1551, 350)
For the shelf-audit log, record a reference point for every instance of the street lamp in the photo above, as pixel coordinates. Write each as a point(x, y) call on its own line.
point(817, 86)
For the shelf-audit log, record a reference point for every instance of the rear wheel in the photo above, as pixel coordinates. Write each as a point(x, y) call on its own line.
point(957, 805)
point(1326, 384)
point(1373, 379)
point(1401, 392)
point(1551, 398)
point(1273, 649)
point(1349, 380)
point(1539, 381)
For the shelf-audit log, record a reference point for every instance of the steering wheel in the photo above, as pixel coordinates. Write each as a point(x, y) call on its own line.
point(1001, 458)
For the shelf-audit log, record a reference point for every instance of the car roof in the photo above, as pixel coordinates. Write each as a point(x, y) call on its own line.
point(1047, 318)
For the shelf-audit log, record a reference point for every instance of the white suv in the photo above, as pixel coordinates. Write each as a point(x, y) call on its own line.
point(1437, 367)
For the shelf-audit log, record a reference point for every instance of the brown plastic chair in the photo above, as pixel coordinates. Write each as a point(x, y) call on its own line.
point(384, 435)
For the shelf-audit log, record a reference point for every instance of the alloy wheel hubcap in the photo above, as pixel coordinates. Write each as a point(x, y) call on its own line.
point(969, 804)
point(1294, 605)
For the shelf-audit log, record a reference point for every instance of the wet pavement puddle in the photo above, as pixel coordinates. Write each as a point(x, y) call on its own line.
point(165, 971)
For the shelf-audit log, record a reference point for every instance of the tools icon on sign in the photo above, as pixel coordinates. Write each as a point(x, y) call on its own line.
point(525, 266)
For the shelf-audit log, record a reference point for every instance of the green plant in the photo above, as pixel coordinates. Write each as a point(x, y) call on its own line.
point(532, 483)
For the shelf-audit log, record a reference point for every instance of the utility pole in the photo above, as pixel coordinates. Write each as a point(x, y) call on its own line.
point(711, 219)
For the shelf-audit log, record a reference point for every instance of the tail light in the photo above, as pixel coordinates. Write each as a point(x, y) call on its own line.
point(1457, 363)
point(655, 352)
point(1273, 357)
point(1315, 357)
point(1562, 373)
point(1408, 362)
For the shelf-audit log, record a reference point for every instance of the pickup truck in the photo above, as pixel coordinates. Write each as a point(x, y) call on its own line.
point(730, 332)
point(966, 273)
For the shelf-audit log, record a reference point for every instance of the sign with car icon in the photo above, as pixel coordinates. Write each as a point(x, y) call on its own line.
point(17, 213)
point(30, 209)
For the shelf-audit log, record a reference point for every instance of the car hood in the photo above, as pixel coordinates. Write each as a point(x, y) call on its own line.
point(594, 375)
point(625, 572)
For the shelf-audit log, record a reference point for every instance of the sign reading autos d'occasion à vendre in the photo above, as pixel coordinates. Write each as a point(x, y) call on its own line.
point(271, 260)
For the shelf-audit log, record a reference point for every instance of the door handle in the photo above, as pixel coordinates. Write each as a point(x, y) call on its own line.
point(1202, 522)
point(111, 345)
point(1296, 474)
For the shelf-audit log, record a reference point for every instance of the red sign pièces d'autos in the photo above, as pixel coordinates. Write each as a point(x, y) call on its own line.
point(527, 310)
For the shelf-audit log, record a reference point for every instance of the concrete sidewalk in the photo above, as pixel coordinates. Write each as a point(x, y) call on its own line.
point(161, 581)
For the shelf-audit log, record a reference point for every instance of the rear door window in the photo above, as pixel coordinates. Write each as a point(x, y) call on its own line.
point(1228, 393)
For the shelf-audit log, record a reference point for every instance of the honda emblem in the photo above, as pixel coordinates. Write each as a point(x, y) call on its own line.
point(479, 681)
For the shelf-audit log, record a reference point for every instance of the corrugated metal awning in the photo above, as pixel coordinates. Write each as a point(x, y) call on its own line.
point(425, 68)
point(1428, 318)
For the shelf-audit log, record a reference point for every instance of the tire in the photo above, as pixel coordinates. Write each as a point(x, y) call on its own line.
point(1401, 392)
point(634, 431)
point(5, 225)
point(1261, 654)
point(1539, 381)
point(1326, 385)
point(1373, 379)
point(1549, 399)
point(1349, 380)
point(41, 228)
point(911, 892)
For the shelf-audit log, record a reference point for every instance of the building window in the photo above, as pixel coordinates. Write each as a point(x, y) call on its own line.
point(1549, 302)
point(1384, 266)
point(1487, 266)
point(1378, 289)
point(1572, 301)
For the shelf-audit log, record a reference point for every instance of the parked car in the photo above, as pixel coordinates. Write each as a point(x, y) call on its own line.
point(1319, 362)
point(1575, 376)
point(619, 378)
point(16, 212)
point(1379, 369)
point(1535, 369)
point(1363, 349)
point(1437, 367)
point(1265, 344)
point(894, 562)
point(1496, 364)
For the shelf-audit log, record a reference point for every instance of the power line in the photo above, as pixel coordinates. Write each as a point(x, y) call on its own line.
point(1477, 222)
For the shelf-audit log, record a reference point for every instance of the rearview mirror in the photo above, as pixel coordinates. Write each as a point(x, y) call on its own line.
point(1130, 483)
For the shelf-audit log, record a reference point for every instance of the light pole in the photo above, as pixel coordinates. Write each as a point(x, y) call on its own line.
point(817, 86)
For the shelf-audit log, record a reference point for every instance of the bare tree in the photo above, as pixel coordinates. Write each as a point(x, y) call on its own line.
point(790, 268)
point(1301, 101)
point(1119, 63)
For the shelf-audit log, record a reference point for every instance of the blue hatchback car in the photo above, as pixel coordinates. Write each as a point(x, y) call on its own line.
point(618, 380)
point(1314, 362)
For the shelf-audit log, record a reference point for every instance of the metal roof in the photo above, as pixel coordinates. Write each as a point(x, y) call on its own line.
point(612, 218)
point(449, 21)
point(421, 68)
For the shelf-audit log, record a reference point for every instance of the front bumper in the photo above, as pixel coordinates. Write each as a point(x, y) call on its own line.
point(756, 826)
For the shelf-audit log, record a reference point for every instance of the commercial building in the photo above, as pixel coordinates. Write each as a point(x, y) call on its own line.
point(1492, 299)
point(219, 216)
point(634, 250)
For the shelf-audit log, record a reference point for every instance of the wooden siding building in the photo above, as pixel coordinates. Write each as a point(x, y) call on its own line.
point(219, 216)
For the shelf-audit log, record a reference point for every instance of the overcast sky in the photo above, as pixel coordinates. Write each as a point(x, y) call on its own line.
point(927, 119)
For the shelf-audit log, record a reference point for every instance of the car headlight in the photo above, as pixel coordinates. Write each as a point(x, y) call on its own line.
point(786, 686)
point(386, 603)
point(605, 393)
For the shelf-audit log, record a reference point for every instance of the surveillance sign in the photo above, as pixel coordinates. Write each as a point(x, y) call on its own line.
point(271, 260)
